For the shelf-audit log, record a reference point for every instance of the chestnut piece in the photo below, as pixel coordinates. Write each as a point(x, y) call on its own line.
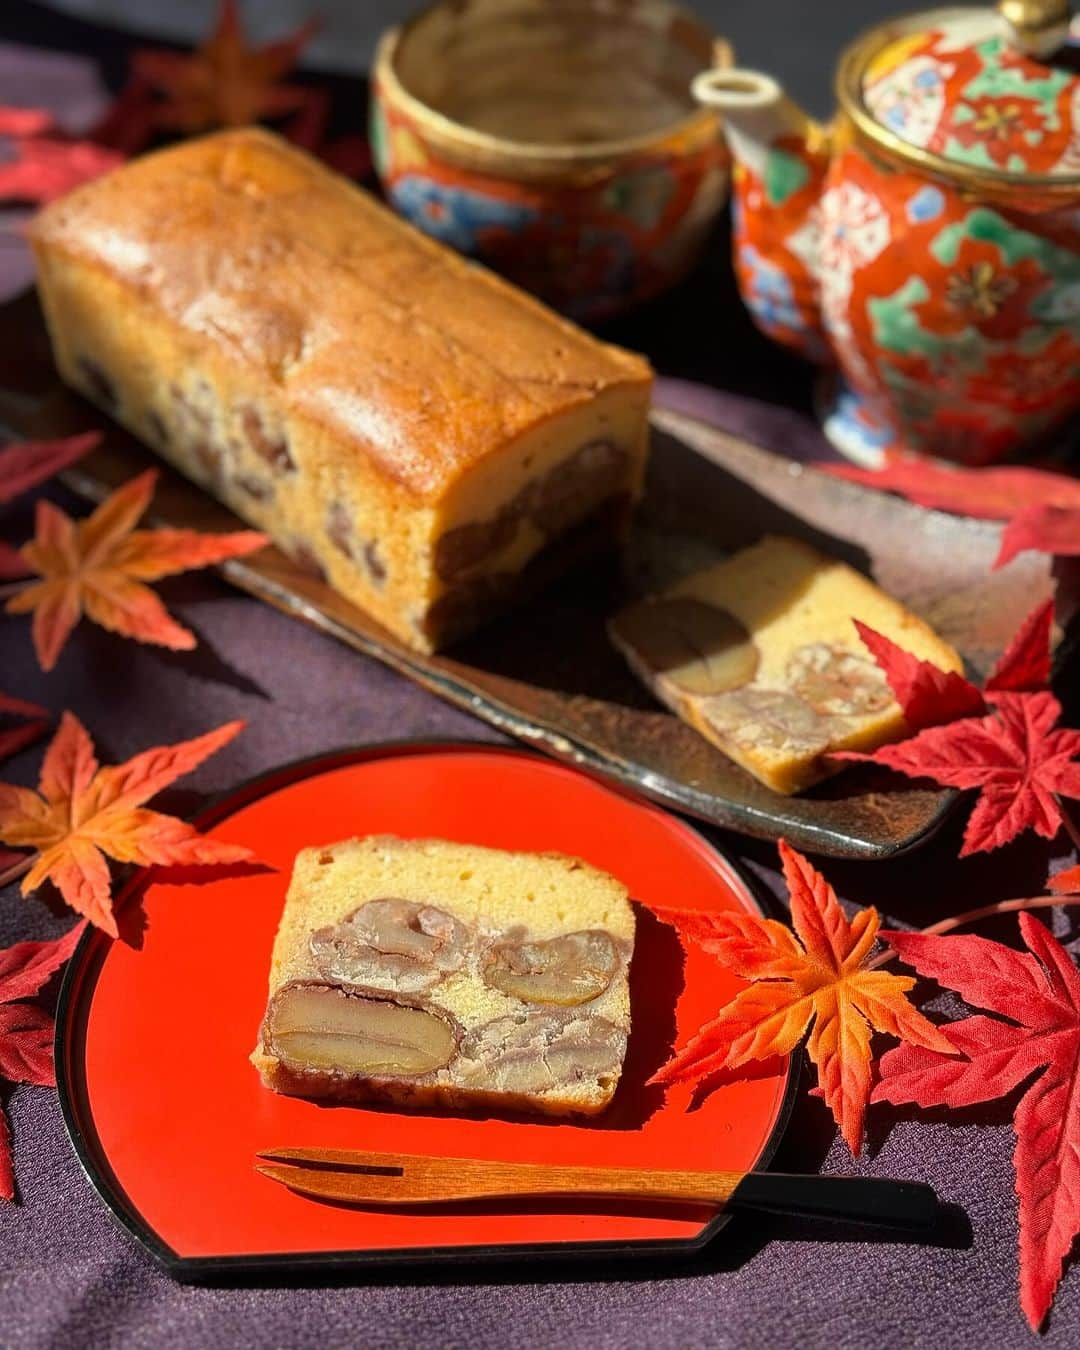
point(772, 719)
point(211, 460)
point(836, 682)
point(339, 528)
point(567, 970)
point(273, 449)
point(462, 549)
point(571, 489)
point(374, 563)
point(697, 647)
point(532, 1052)
point(391, 944)
point(321, 1028)
point(304, 556)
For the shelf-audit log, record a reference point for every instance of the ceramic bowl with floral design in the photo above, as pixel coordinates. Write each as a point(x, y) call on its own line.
point(555, 140)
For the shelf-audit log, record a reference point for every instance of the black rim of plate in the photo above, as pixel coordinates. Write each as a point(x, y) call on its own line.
point(76, 993)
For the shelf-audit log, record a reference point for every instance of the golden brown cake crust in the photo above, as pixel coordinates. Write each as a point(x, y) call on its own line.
point(420, 360)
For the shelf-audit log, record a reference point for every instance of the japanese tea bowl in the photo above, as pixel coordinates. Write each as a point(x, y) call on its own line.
point(555, 141)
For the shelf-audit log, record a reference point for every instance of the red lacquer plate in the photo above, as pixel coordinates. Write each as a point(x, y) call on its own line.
point(154, 1032)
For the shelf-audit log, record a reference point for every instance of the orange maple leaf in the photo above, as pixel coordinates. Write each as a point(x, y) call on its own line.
point(225, 82)
point(97, 566)
point(816, 981)
point(81, 812)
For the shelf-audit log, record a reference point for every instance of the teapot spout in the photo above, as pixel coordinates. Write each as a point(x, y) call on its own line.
point(781, 159)
point(757, 115)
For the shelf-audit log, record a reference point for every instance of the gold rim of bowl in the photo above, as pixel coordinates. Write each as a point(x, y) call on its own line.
point(850, 93)
point(467, 146)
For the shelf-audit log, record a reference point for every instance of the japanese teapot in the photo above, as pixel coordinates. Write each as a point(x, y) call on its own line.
point(925, 245)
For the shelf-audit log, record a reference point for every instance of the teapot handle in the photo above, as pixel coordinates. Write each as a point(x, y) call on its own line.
point(1036, 27)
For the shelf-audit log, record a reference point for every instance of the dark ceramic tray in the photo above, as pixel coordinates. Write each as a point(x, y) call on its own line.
point(548, 675)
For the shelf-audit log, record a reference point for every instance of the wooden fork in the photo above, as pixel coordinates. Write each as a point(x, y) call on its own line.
point(400, 1179)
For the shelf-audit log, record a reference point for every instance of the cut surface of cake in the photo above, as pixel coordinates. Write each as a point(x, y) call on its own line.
point(398, 419)
point(423, 972)
point(761, 655)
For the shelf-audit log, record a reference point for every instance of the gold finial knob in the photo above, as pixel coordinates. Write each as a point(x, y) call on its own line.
point(1036, 27)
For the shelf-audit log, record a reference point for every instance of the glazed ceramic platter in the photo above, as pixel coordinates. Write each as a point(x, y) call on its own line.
point(548, 675)
point(167, 1114)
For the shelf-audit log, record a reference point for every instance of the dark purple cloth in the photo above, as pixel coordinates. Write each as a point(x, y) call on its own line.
point(69, 1277)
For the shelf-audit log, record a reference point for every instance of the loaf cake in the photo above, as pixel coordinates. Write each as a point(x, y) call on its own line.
point(421, 972)
point(759, 653)
point(401, 421)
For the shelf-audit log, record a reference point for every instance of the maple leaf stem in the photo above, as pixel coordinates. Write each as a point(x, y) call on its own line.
point(17, 870)
point(14, 587)
point(1071, 827)
point(983, 912)
point(1001, 907)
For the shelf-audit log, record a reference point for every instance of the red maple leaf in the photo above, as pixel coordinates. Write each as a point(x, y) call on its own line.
point(984, 494)
point(81, 812)
point(308, 128)
point(97, 566)
point(40, 166)
point(26, 1030)
point(225, 82)
point(1025, 665)
point(929, 696)
point(814, 980)
point(128, 123)
point(348, 155)
point(1048, 521)
point(1039, 993)
point(24, 121)
point(1017, 757)
point(25, 464)
point(1046, 529)
point(36, 719)
point(1014, 753)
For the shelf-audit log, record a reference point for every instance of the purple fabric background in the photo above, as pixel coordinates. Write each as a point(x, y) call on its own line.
point(68, 1277)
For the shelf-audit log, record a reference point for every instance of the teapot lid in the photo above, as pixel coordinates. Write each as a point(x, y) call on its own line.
point(986, 96)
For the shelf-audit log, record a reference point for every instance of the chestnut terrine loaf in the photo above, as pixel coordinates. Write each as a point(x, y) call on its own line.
point(422, 972)
point(401, 420)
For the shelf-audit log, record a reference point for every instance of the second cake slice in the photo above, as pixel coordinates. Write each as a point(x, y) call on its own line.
point(761, 655)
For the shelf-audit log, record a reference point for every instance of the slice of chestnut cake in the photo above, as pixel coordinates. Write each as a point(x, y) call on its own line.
point(422, 972)
point(761, 655)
